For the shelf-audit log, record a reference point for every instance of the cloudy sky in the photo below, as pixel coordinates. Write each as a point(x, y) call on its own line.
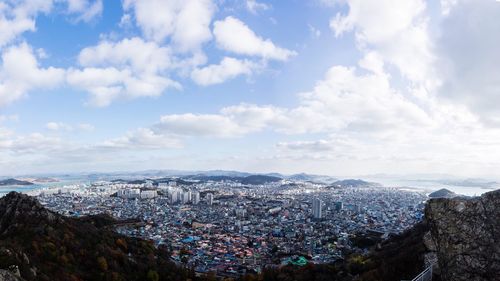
point(337, 87)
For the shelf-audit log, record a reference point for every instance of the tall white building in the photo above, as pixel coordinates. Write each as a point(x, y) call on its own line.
point(148, 194)
point(185, 197)
point(316, 208)
point(129, 193)
point(174, 196)
point(210, 199)
point(195, 198)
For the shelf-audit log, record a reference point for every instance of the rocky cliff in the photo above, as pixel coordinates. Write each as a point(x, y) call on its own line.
point(465, 237)
point(38, 244)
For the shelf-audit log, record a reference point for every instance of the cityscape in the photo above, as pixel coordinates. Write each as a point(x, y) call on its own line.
point(234, 229)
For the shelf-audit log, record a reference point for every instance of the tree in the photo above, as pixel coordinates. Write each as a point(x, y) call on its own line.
point(153, 275)
point(103, 263)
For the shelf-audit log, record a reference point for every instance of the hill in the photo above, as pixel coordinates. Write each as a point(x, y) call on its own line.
point(47, 246)
point(14, 182)
point(443, 193)
point(259, 179)
point(353, 183)
point(311, 178)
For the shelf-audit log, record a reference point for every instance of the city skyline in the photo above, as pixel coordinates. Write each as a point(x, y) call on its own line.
point(323, 87)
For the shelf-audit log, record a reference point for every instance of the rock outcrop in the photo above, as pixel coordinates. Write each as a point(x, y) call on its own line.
point(465, 236)
point(37, 244)
point(6, 275)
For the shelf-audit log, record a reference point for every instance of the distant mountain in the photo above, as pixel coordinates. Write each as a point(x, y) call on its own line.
point(14, 182)
point(259, 179)
point(214, 178)
point(44, 180)
point(311, 178)
point(250, 180)
point(47, 246)
point(354, 183)
point(443, 193)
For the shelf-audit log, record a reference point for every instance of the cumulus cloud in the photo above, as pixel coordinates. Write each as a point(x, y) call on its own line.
point(185, 22)
point(233, 121)
point(233, 35)
point(20, 73)
point(227, 69)
point(129, 68)
point(398, 30)
point(343, 100)
point(469, 58)
point(17, 17)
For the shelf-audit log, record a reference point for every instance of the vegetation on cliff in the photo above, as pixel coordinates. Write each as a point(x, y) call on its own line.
point(47, 246)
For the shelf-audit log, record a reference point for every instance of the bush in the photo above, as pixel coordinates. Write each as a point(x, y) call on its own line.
point(153, 275)
point(103, 263)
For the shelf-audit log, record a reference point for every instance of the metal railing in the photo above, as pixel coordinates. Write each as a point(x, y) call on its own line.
point(425, 275)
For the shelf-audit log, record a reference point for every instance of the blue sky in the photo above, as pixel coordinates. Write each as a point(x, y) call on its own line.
point(338, 87)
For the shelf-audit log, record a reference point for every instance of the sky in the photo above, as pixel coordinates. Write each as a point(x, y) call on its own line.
point(335, 87)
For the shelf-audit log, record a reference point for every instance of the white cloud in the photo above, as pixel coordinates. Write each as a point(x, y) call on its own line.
point(29, 144)
point(447, 5)
point(347, 101)
point(397, 30)
point(185, 22)
point(61, 126)
point(143, 138)
point(129, 68)
point(140, 55)
point(235, 36)
point(232, 121)
point(17, 17)
point(341, 101)
point(315, 33)
point(125, 21)
point(469, 57)
point(254, 7)
point(227, 69)
point(85, 10)
point(20, 73)
point(317, 145)
point(4, 118)
point(85, 127)
point(56, 126)
point(373, 62)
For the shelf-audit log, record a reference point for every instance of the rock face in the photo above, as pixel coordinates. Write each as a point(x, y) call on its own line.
point(20, 210)
point(6, 275)
point(37, 244)
point(465, 234)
